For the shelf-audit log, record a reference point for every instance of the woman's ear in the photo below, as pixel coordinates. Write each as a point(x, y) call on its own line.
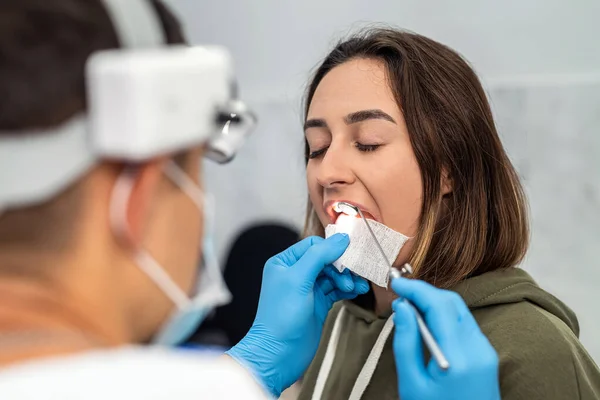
point(144, 192)
point(447, 184)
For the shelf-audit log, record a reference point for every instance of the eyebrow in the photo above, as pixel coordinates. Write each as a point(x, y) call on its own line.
point(364, 115)
point(315, 123)
point(352, 118)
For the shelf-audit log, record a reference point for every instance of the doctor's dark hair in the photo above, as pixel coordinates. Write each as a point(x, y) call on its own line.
point(44, 45)
point(482, 224)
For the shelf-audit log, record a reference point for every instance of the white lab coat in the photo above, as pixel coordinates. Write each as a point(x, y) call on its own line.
point(129, 373)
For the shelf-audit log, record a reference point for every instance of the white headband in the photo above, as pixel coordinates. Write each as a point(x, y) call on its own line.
point(38, 164)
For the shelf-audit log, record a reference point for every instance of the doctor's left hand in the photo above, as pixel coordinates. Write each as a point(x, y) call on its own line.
point(299, 288)
point(473, 372)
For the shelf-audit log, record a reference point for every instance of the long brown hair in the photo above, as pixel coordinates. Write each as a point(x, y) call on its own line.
point(482, 225)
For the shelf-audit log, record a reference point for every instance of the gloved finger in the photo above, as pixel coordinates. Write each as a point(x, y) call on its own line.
point(325, 284)
point(408, 349)
point(292, 254)
point(462, 311)
point(324, 302)
point(319, 255)
point(437, 306)
point(343, 280)
point(361, 286)
point(338, 295)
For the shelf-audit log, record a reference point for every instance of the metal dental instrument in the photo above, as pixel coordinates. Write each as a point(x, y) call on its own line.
point(428, 338)
point(430, 342)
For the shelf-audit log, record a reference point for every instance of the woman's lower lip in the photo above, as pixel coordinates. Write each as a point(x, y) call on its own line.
point(369, 216)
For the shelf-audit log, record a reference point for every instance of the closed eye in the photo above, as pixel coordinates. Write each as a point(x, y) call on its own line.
point(367, 147)
point(317, 153)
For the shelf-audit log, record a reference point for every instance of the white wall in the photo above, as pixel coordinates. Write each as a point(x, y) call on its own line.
point(540, 60)
point(276, 42)
point(551, 133)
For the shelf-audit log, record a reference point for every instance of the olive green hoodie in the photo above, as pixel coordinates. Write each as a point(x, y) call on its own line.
point(534, 333)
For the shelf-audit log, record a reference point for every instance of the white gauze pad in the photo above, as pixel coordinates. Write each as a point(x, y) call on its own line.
point(362, 255)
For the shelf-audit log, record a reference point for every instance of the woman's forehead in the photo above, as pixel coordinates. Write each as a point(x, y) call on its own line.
point(358, 84)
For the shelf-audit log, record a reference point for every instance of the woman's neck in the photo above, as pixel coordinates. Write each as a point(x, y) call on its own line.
point(383, 299)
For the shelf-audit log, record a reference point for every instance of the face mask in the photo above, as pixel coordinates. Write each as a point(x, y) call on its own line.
point(210, 289)
point(362, 256)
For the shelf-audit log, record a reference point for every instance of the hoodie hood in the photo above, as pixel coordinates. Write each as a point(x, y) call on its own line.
point(507, 286)
point(512, 285)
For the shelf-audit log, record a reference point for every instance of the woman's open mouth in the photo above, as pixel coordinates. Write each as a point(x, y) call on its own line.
point(334, 208)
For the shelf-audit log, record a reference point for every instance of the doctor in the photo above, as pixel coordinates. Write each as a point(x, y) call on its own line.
point(102, 214)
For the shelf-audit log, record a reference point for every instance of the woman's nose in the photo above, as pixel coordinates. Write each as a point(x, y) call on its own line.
point(334, 169)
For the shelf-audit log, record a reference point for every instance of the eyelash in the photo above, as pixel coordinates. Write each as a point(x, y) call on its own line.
point(365, 148)
point(317, 153)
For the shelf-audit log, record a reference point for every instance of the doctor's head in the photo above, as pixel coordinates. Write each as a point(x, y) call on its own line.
point(399, 125)
point(67, 242)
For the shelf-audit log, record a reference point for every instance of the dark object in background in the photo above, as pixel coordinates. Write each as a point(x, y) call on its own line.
point(243, 276)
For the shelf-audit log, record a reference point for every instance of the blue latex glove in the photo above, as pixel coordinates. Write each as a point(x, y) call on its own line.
point(299, 288)
point(473, 372)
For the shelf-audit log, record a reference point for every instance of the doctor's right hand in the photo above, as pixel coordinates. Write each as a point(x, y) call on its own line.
point(299, 288)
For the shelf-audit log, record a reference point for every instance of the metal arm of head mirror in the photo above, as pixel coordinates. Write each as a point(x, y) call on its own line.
point(235, 122)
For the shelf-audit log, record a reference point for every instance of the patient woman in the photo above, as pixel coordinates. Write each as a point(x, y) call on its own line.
point(400, 126)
